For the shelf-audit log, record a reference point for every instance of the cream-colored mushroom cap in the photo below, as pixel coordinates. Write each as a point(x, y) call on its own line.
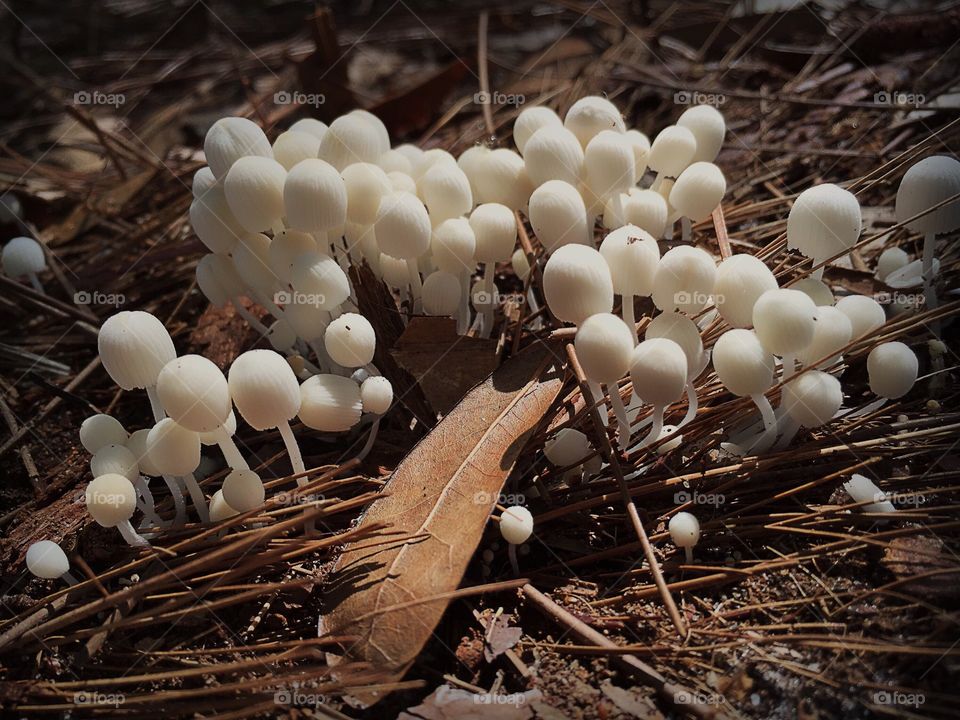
point(698, 191)
point(446, 191)
point(45, 559)
point(251, 260)
point(553, 153)
point(395, 161)
point(285, 248)
point(376, 394)
point(631, 254)
point(203, 180)
point(812, 398)
point(684, 530)
point(824, 221)
point(741, 280)
point(134, 346)
point(892, 370)
point(472, 161)
point(926, 184)
point(213, 438)
point(401, 182)
point(567, 447)
point(641, 149)
point(530, 120)
point(784, 320)
point(281, 336)
point(365, 184)
point(383, 135)
point(672, 151)
point(402, 226)
point(516, 524)
point(219, 509)
point(495, 232)
point(321, 279)
point(230, 139)
point(330, 403)
point(577, 283)
point(604, 347)
point(254, 191)
point(865, 314)
point(591, 115)
point(832, 331)
point(311, 126)
point(742, 364)
point(684, 279)
point(350, 340)
point(293, 146)
point(111, 500)
point(708, 127)
point(23, 256)
point(609, 163)
point(558, 215)
point(115, 459)
point(646, 209)
point(172, 449)
point(194, 392)
point(818, 290)
point(503, 179)
point(453, 244)
point(315, 196)
point(891, 259)
point(264, 389)
point(658, 369)
point(441, 293)
point(351, 139)
point(100, 430)
point(395, 271)
point(685, 333)
point(137, 444)
point(243, 490)
point(520, 264)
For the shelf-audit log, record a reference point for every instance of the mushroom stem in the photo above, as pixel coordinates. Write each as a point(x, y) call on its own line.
point(686, 228)
point(35, 282)
point(788, 431)
point(248, 316)
point(69, 579)
point(416, 285)
point(620, 411)
point(769, 434)
point(487, 329)
point(130, 535)
point(788, 366)
point(463, 315)
point(180, 507)
point(865, 410)
point(597, 393)
point(692, 405)
point(365, 450)
point(512, 554)
point(818, 273)
point(929, 294)
point(231, 453)
point(197, 497)
point(688, 551)
point(145, 503)
point(293, 450)
point(155, 406)
point(629, 317)
point(655, 427)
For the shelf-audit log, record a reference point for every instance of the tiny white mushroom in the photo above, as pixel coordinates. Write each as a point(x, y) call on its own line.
point(824, 221)
point(684, 280)
point(516, 527)
point(591, 115)
point(330, 403)
point(685, 533)
point(254, 191)
point(24, 257)
point(47, 560)
point(558, 215)
point(604, 346)
point(100, 430)
point(746, 369)
point(530, 120)
point(242, 490)
point(741, 280)
point(785, 321)
point(230, 139)
point(658, 369)
point(865, 314)
point(376, 397)
point(577, 283)
point(111, 500)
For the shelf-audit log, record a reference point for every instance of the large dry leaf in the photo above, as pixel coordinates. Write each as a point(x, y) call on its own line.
point(391, 596)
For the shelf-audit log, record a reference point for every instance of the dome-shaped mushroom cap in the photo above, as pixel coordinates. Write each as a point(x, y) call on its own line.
point(784, 320)
point(520, 264)
point(865, 314)
point(631, 254)
point(529, 121)
point(590, 115)
point(832, 331)
point(110, 500)
point(395, 272)
point(137, 444)
point(824, 221)
point(401, 182)
point(383, 135)
point(115, 459)
point(453, 244)
point(577, 283)
point(503, 179)
point(558, 216)
point(604, 346)
point(928, 183)
point(376, 394)
point(311, 126)
point(890, 260)
point(495, 231)
point(281, 336)
point(134, 346)
point(742, 364)
point(684, 530)
point(658, 369)
point(230, 139)
point(243, 490)
point(516, 524)
point(395, 161)
point(567, 447)
point(428, 160)
point(402, 226)
point(330, 403)
point(646, 209)
point(441, 293)
point(708, 127)
point(641, 149)
point(285, 247)
point(684, 279)
point(209, 282)
point(45, 559)
point(446, 191)
point(213, 221)
point(351, 139)
point(817, 290)
point(321, 279)
point(293, 146)
point(812, 398)
point(553, 153)
point(471, 161)
point(220, 510)
point(194, 392)
point(365, 185)
point(203, 180)
point(672, 151)
point(741, 280)
point(254, 190)
point(100, 430)
point(698, 191)
point(350, 340)
point(264, 389)
point(251, 260)
point(685, 333)
point(23, 256)
point(173, 449)
point(892, 370)
point(609, 163)
point(315, 196)
point(213, 438)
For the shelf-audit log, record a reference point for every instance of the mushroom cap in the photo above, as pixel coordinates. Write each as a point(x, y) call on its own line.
point(591, 115)
point(472, 161)
point(818, 290)
point(395, 272)
point(784, 320)
point(832, 331)
point(658, 369)
point(100, 430)
point(892, 370)
point(520, 264)
point(219, 509)
point(609, 163)
point(824, 221)
point(402, 226)
point(891, 259)
point(254, 191)
point(453, 243)
point(529, 121)
point(376, 394)
point(203, 180)
point(441, 293)
point(428, 159)
point(402, 182)
point(134, 346)
point(553, 153)
point(115, 459)
point(708, 127)
point(516, 524)
point(641, 149)
point(10, 208)
point(672, 151)
point(286, 247)
point(741, 362)
point(137, 444)
point(604, 346)
point(684, 279)
point(321, 279)
point(350, 340)
point(214, 222)
point(45, 559)
point(861, 489)
point(503, 179)
point(23, 256)
point(812, 398)
point(351, 138)
point(568, 447)
point(684, 529)
point(209, 282)
point(495, 231)
point(365, 185)
point(558, 216)
point(229, 427)
point(264, 389)
point(865, 314)
point(243, 490)
point(395, 161)
point(446, 191)
point(646, 209)
point(925, 184)
point(111, 500)
point(383, 135)
point(230, 139)
point(910, 275)
point(698, 191)
point(251, 260)
point(292, 146)
point(282, 336)
point(315, 196)
point(577, 283)
point(330, 403)
point(741, 280)
point(194, 392)
point(632, 255)
point(172, 449)
point(411, 152)
point(685, 333)
point(310, 126)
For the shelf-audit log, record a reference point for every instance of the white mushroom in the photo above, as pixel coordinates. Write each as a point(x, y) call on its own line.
point(24, 257)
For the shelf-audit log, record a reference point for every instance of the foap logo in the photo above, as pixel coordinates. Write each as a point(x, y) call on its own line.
point(485, 498)
point(900, 298)
point(86, 697)
point(895, 697)
point(695, 97)
point(901, 499)
point(294, 697)
point(292, 297)
point(95, 297)
point(899, 98)
point(293, 498)
point(284, 97)
point(695, 697)
point(498, 98)
point(482, 297)
point(699, 498)
point(95, 97)
point(687, 298)
point(511, 699)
